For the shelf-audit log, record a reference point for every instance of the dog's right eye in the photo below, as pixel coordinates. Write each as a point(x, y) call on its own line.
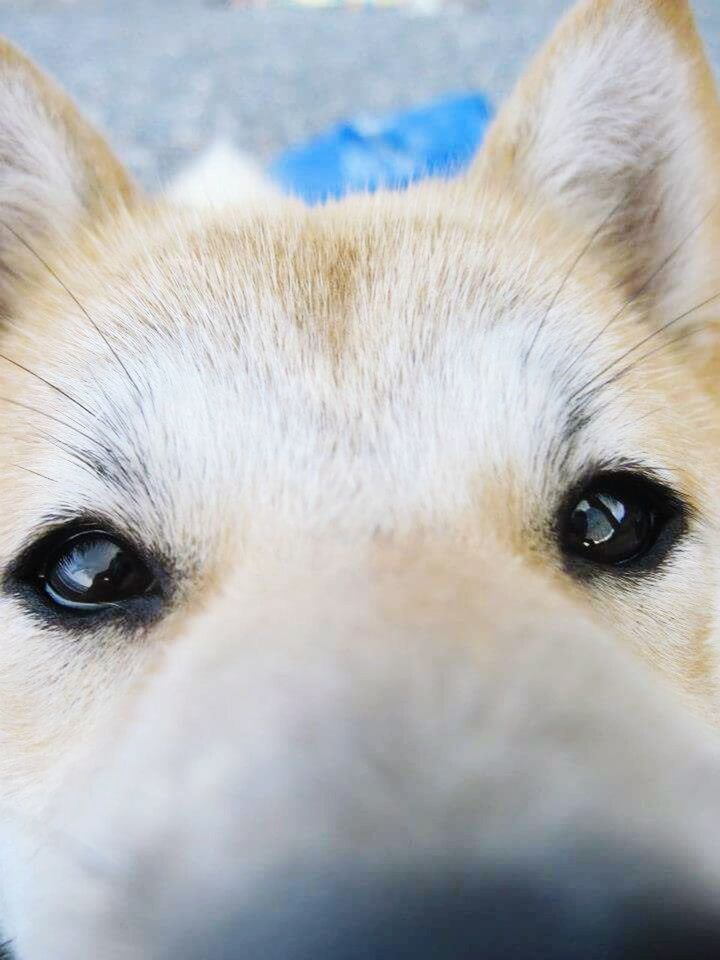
point(93, 570)
point(82, 572)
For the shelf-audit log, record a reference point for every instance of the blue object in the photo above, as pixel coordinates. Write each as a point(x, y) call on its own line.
point(437, 139)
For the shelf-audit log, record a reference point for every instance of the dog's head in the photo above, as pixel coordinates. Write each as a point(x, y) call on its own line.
point(359, 564)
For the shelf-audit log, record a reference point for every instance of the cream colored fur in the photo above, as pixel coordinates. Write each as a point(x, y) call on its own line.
point(348, 430)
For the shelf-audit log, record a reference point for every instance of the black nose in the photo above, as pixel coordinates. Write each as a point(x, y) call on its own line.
point(572, 909)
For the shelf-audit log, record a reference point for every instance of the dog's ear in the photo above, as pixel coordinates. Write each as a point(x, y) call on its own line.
point(55, 170)
point(617, 126)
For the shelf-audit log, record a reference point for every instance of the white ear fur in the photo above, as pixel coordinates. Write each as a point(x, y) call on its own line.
point(39, 182)
point(616, 125)
point(54, 170)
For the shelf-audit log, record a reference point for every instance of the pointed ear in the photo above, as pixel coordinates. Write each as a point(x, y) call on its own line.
point(617, 126)
point(55, 171)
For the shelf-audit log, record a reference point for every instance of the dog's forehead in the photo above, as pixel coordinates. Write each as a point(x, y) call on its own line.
point(356, 364)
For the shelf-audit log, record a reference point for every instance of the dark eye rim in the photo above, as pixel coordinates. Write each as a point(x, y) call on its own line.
point(673, 518)
point(24, 576)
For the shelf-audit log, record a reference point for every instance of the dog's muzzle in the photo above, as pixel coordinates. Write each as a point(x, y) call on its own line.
point(582, 907)
point(402, 775)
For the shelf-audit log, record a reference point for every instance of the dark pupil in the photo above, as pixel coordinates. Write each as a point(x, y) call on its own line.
point(93, 569)
point(611, 530)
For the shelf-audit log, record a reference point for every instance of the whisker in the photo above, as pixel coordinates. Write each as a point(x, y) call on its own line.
point(645, 286)
point(646, 339)
point(48, 416)
point(35, 473)
point(651, 413)
point(53, 273)
point(48, 383)
point(599, 229)
point(641, 359)
point(566, 277)
point(75, 458)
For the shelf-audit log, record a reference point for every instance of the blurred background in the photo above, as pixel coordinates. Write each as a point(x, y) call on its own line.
point(166, 78)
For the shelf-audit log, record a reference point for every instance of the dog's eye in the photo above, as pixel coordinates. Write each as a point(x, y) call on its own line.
point(621, 519)
point(79, 573)
point(91, 570)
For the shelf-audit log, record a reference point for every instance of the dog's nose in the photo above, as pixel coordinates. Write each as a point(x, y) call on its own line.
point(556, 911)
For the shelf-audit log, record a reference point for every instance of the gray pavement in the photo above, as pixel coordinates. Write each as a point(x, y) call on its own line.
point(166, 77)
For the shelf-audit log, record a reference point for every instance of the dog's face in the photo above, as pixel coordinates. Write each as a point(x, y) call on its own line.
point(373, 533)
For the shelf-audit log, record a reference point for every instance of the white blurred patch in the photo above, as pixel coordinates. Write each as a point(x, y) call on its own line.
point(220, 177)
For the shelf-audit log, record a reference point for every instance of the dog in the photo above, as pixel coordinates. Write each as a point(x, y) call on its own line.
point(360, 563)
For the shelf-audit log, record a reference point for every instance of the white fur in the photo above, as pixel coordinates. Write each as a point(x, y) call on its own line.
point(41, 181)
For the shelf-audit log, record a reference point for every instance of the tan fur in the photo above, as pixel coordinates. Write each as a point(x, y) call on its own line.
point(345, 430)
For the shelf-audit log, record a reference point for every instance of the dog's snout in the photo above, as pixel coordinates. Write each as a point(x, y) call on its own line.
point(566, 909)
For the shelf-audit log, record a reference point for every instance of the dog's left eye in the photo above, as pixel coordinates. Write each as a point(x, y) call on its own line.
point(621, 520)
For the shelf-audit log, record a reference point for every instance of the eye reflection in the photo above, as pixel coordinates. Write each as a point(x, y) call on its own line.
point(598, 519)
point(93, 570)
